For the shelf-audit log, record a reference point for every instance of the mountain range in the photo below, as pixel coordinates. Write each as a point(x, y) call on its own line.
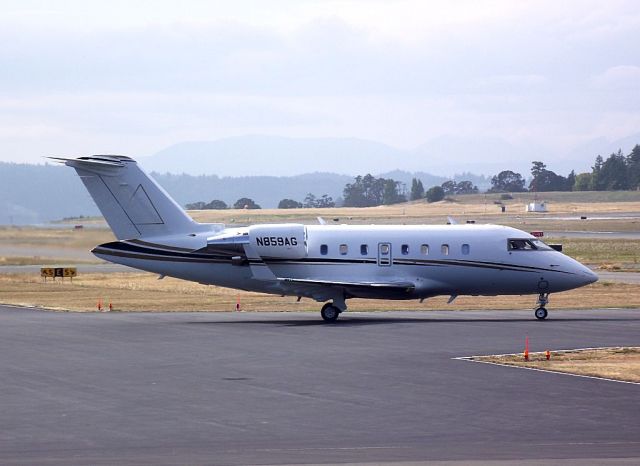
point(31, 194)
point(268, 169)
point(445, 156)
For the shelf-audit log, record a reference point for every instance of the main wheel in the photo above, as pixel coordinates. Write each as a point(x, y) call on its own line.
point(329, 312)
point(541, 313)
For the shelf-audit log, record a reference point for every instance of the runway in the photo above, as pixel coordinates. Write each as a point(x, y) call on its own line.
point(284, 388)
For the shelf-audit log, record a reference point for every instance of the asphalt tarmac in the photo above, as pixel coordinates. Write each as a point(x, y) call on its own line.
point(284, 388)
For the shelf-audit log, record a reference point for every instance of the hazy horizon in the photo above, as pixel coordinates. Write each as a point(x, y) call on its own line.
point(86, 77)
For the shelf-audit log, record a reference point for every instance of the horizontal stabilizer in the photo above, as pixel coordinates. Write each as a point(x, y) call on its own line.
point(88, 161)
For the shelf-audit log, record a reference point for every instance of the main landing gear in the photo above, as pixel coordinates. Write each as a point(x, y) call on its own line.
point(541, 312)
point(329, 312)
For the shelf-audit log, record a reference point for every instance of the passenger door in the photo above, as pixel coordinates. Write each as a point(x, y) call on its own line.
point(384, 254)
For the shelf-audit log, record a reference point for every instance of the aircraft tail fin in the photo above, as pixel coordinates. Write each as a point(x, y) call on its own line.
point(132, 203)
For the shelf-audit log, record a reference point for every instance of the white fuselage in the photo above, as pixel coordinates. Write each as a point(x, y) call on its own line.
point(437, 260)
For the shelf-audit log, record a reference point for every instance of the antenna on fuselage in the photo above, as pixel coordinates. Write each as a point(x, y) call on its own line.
point(451, 221)
point(321, 221)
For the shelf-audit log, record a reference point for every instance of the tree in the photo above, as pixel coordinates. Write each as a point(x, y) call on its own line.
point(312, 202)
point(570, 181)
point(583, 182)
point(613, 173)
point(507, 181)
point(245, 203)
point(368, 191)
point(289, 204)
point(325, 202)
point(449, 187)
point(435, 194)
point(196, 206)
point(309, 201)
point(596, 183)
point(466, 187)
point(633, 170)
point(217, 204)
point(417, 189)
point(546, 180)
point(391, 193)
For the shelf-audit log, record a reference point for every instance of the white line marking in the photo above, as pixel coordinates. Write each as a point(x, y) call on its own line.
point(470, 359)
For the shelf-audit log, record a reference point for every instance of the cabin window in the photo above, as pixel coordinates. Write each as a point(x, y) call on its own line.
point(405, 249)
point(444, 249)
point(344, 249)
point(424, 249)
point(364, 249)
point(324, 249)
point(465, 249)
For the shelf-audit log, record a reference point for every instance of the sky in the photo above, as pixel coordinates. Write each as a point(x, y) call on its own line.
point(83, 77)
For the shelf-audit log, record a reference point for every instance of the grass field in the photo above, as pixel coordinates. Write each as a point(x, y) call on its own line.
point(609, 363)
point(144, 292)
point(414, 212)
point(47, 246)
point(604, 254)
point(482, 207)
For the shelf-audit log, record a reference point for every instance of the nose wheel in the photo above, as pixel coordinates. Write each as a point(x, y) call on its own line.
point(541, 312)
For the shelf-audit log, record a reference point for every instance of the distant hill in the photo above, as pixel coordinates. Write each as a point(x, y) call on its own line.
point(443, 156)
point(488, 155)
point(428, 180)
point(588, 151)
point(276, 156)
point(200, 171)
point(265, 190)
point(31, 194)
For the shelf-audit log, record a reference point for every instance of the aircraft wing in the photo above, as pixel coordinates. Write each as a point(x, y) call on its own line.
point(368, 287)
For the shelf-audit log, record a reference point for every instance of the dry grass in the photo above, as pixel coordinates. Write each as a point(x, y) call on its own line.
point(63, 237)
point(144, 292)
point(606, 254)
point(38, 260)
point(610, 363)
point(412, 212)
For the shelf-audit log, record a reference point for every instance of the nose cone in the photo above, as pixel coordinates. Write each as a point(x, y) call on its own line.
point(579, 275)
point(589, 276)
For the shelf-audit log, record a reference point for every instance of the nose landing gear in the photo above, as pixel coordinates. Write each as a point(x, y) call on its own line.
point(541, 312)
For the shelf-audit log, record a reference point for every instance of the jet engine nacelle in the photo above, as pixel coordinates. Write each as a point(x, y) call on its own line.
point(284, 241)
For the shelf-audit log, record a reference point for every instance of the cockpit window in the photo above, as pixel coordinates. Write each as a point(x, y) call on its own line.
point(541, 245)
point(521, 245)
point(517, 244)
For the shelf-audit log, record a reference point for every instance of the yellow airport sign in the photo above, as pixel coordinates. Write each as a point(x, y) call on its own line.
point(62, 272)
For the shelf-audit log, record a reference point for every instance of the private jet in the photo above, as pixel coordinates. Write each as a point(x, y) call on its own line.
point(327, 263)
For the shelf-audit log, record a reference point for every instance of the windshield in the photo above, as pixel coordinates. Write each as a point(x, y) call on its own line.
point(541, 245)
point(525, 244)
